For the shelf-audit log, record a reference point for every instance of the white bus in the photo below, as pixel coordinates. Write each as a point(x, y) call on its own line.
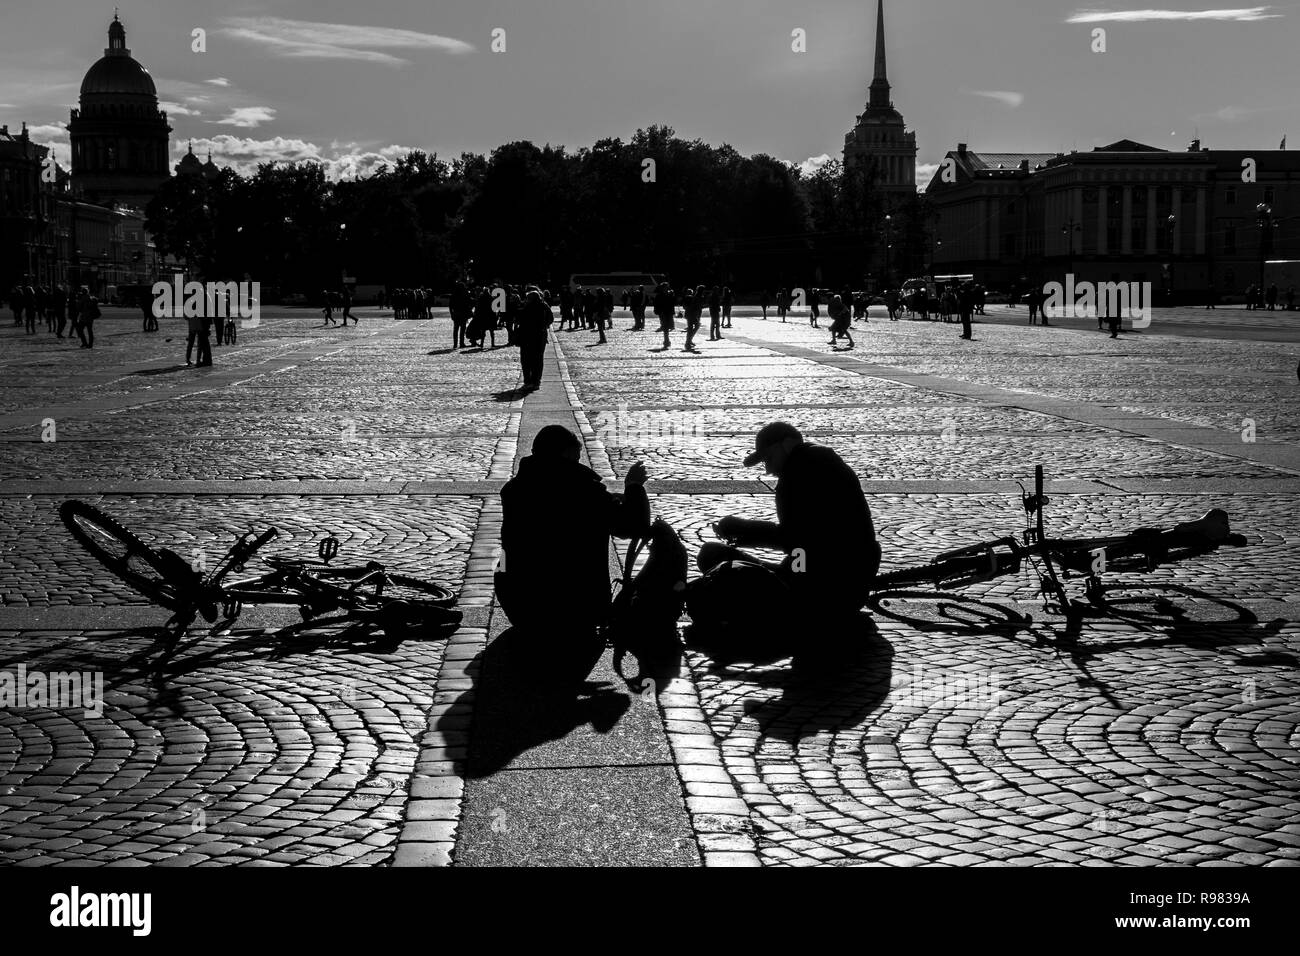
point(616, 282)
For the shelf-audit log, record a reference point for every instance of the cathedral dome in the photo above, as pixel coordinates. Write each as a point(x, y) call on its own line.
point(117, 72)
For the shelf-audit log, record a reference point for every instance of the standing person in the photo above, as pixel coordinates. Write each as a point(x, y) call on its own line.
point(1290, 299)
point(88, 310)
point(715, 314)
point(535, 318)
point(1111, 311)
point(664, 307)
point(29, 308)
point(598, 304)
point(61, 309)
point(638, 309)
point(328, 309)
point(841, 319)
point(1270, 297)
point(782, 302)
point(1250, 297)
point(693, 310)
point(567, 318)
point(728, 300)
point(1033, 300)
point(45, 310)
point(965, 303)
point(892, 302)
point(74, 322)
point(764, 300)
point(461, 307)
point(814, 304)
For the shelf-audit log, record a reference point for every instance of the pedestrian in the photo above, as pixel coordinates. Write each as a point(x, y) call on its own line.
point(1290, 299)
point(637, 301)
point(88, 311)
point(601, 301)
point(814, 304)
point(530, 336)
point(60, 299)
point(692, 311)
point(728, 299)
point(1032, 300)
point(665, 305)
point(1271, 297)
point(841, 319)
point(783, 302)
point(764, 300)
point(965, 303)
point(892, 302)
point(328, 309)
point(16, 304)
point(715, 314)
point(29, 309)
point(461, 308)
point(347, 306)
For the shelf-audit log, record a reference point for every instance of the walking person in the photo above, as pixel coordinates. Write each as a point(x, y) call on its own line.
point(715, 314)
point(328, 309)
point(347, 306)
point(1270, 297)
point(841, 319)
point(783, 302)
point(764, 300)
point(728, 299)
point(60, 298)
point(692, 309)
point(88, 310)
point(600, 306)
point(637, 300)
point(461, 307)
point(814, 304)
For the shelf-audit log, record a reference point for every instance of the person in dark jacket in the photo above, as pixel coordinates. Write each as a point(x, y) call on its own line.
point(557, 519)
point(823, 525)
point(665, 304)
point(530, 335)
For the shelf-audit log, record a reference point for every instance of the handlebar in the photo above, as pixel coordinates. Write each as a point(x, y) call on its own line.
point(239, 554)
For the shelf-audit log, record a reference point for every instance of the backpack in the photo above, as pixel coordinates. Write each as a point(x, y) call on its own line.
point(643, 615)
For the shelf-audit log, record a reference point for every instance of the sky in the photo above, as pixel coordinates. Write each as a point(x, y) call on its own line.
point(352, 84)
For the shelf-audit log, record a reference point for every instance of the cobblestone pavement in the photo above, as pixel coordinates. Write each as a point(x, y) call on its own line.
point(972, 729)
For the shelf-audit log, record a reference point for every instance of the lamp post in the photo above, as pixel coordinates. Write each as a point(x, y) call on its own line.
point(1068, 229)
point(1264, 218)
point(888, 231)
point(1171, 224)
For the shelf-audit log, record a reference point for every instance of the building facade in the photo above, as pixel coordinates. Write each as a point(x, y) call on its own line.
point(1187, 222)
point(880, 140)
point(119, 136)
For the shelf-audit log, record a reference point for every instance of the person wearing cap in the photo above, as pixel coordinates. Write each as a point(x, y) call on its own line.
point(823, 526)
point(557, 518)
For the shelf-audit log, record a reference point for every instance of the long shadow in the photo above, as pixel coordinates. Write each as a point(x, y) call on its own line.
point(531, 689)
point(513, 394)
point(837, 676)
point(166, 370)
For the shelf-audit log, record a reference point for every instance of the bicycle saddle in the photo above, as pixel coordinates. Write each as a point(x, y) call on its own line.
point(1212, 527)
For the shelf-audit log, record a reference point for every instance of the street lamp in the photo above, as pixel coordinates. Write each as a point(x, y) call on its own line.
point(1068, 229)
point(1264, 218)
point(888, 230)
point(1172, 224)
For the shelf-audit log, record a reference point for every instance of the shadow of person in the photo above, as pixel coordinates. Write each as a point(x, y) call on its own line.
point(512, 394)
point(530, 689)
point(840, 672)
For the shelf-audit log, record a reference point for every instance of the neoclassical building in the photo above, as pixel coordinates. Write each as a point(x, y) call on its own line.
point(119, 136)
point(881, 137)
point(1186, 221)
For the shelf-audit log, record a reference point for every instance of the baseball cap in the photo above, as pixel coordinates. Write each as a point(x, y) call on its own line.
point(771, 434)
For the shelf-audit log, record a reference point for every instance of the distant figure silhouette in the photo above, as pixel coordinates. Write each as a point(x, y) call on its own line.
point(823, 525)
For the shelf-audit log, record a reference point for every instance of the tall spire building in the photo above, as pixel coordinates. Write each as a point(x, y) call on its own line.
point(881, 138)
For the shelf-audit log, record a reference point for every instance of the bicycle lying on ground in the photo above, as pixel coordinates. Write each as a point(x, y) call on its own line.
point(367, 594)
point(1141, 550)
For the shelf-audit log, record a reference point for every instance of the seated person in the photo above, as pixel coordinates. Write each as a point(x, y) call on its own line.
point(554, 573)
point(823, 525)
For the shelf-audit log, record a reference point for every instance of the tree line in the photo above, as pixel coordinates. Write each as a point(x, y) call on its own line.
point(657, 203)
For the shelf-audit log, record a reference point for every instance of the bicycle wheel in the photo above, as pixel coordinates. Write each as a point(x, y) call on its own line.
point(158, 578)
point(950, 613)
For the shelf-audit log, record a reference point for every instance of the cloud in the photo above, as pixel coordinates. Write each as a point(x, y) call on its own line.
point(924, 173)
point(1007, 97)
point(248, 116)
point(341, 161)
point(337, 41)
point(218, 81)
point(176, 109)
point(55, 136)
point(1243, 14)
point(1231, 114)
point(814, 163)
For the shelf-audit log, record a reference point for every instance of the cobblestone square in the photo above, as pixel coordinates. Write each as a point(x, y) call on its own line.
point(969, 728)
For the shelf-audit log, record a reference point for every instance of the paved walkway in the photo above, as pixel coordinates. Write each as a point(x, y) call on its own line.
point(1165, 733)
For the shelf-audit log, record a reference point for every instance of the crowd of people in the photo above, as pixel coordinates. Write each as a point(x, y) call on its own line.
point(57, 308)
